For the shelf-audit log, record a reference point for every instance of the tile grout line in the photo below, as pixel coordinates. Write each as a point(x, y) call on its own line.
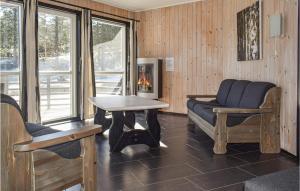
point(137, 178)
point(258, 162)
point(225, 186)
point(196, 185)
point(246, 171)
point(145, 166)
point(247, 162)
point(164, 181)
point(194, 168)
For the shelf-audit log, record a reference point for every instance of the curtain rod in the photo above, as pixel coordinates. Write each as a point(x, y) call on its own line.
point(69, 4)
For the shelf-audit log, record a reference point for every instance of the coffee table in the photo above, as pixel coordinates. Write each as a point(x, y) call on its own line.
point(122, 109)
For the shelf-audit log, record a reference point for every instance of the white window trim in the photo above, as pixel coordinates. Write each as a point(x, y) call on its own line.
point(73, 60)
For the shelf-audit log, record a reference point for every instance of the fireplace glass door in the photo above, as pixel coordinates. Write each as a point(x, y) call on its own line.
point(145, 78)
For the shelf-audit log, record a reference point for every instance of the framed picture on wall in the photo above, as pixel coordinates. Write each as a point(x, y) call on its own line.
point(249, 33)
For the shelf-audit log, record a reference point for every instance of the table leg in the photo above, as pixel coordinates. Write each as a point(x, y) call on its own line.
point(153, 126)
point(116, 131)
point(101, 120)
point(119, 139)
point(130, 119)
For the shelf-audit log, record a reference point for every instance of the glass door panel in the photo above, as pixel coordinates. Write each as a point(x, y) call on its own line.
point(109, 50)
point(57, 64)
point(10, 49)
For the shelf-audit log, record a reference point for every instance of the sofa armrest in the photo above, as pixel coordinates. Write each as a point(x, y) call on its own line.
point(57, 138)
point(242, 110)
point(201, 96)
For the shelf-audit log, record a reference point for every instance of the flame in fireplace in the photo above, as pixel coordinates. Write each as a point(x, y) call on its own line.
point(144, 82)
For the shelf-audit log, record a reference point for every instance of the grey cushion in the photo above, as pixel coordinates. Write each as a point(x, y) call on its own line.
point(224, 90)
point(254, 94)
point(206, 113)
point(287, 180)
point(69, 150)
point(192, 102)
point(236, 93)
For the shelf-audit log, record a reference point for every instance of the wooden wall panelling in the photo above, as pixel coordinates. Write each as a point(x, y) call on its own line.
point(201, 36)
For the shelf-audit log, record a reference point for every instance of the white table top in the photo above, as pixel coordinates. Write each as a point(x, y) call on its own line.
point(126, 103)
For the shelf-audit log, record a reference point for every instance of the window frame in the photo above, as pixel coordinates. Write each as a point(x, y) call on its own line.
point(75, 59)
point(124, 71)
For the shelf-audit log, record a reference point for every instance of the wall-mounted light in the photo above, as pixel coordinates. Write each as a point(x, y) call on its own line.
point(276, 29)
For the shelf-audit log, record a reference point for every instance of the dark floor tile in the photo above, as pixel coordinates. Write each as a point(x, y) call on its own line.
point(170, 133)
point(220, 178)
point(122, 168)
point(244, 147)
point(168, 160)
point(120, 182)
point(130, 153)
point(207, 146)
point(270, 166)
point(165, 173)
point(199, 135)
point(256, 156)
point(173, 185)
point(235, 187)
point(216, 164)
point(289, 157)
point(157, 152)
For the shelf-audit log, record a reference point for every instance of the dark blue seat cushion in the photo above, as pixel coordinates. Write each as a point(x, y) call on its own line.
point(236, 93)
point(206, 113)
point(287, 180)
point(69, 150)
point(224, 90)
point(192, 102)
point(254, 94)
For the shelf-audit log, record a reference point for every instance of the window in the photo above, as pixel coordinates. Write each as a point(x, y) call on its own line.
point(10, 49)
point(57, 64)
point(109, 52)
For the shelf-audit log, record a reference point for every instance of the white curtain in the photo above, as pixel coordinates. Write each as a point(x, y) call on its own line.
point(133, 57)
point(30, 75)
point(87, 67)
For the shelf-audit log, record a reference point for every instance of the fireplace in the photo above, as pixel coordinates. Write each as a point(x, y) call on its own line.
point(149, 82)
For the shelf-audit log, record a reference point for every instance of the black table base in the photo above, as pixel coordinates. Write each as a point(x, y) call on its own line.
point(120, 138)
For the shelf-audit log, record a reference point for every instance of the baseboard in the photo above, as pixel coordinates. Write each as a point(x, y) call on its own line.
point(296, 158)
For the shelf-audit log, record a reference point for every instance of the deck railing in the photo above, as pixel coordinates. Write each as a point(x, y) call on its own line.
point(56, 86)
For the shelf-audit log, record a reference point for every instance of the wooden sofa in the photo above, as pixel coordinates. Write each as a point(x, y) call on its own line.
point(241, 112)
point(35, 157)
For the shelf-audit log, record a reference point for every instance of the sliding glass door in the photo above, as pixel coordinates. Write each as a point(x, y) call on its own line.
point(10, 49)
point(57, 64)
point(109, 52)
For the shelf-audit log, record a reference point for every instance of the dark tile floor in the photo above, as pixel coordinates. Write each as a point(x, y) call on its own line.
point(185, 161)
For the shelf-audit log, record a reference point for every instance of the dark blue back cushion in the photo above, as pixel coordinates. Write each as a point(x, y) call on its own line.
point(254, 94)
point(9, 100)
point(224, 90)
point(236, 93)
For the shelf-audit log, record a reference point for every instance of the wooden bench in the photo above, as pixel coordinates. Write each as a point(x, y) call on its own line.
point(242, 112)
